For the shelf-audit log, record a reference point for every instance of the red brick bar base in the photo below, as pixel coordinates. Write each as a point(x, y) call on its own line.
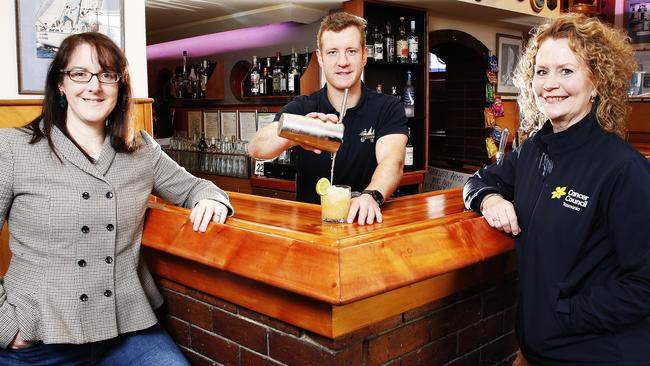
point(474, 327)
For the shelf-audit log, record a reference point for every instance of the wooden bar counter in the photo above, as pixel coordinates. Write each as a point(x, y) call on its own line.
point(349, 294)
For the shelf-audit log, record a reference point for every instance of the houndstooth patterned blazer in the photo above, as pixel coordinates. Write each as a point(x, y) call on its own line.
point(75, 232)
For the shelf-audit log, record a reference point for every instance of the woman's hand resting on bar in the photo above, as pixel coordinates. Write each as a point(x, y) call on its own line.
point(500, 213)
point(207, 210)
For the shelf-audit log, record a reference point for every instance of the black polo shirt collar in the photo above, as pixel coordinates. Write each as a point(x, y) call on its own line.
point(323, 100)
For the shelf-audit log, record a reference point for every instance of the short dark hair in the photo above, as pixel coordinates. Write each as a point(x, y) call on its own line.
point(339, 21)
point(111, 58)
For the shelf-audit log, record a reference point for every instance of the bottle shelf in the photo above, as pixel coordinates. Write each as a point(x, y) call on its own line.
point(391, 74)
point(373, 64)
point(309, 80)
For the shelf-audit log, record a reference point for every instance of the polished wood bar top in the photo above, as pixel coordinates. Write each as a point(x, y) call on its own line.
point(284, 244)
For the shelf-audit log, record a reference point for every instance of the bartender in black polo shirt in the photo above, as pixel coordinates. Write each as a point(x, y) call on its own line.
point(371, 158)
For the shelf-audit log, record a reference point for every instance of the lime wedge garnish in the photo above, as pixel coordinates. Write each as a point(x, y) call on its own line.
point(322, 185)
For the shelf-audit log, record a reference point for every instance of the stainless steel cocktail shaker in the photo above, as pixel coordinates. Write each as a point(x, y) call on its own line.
point(325, 136)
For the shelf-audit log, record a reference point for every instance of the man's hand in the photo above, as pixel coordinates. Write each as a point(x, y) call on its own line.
point(19, 342)
point(366, 209)
point(500, 214)
point(207, 210)
point(326, 118)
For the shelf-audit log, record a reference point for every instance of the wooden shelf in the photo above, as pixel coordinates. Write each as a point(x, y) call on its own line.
point(394, 73)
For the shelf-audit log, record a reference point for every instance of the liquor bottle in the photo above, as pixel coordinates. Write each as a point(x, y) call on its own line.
point(408, 157)
point(402, 45)
point(370, 45)
point(413, 44)
point(255, 78)
point(393, 93)
point(279, 76)
point(193, 85)
point(389, 49)
point(178, 83)
point(284, 77)
point(379, 88)
point(293, 82)
point(269, 77)
point(184, 64)
point(203, 79)
point(185, 83)
point(409, 96)
point(202, 145)
point(306, 64)
point(379, 45)
point(263, 83)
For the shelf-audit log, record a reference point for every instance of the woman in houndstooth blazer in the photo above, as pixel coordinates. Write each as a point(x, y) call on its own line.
point(73, 186)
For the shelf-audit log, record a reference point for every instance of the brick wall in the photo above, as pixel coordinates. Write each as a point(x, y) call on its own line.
point(474, 327)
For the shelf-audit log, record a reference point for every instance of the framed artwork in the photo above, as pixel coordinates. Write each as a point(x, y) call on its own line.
point(509, 50)
point(41, 26)
point(637, 23)
point(228, 123)
point(211, 124)
point(194, 127)
point(264, 119)
point(247, 124)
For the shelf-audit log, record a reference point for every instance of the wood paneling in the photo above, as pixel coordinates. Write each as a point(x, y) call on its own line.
point(16, 113)
point(638, 123)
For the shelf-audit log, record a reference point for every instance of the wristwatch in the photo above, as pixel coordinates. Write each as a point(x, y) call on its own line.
point(376, 195)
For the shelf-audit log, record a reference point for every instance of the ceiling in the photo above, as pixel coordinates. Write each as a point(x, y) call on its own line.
point(176, 19)
point(168, 20)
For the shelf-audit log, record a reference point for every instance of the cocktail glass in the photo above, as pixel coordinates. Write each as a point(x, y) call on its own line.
point(335, 205)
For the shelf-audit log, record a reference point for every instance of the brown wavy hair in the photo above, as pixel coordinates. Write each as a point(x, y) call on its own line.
point(120, 120)
point(604, 50)
point(339, 21)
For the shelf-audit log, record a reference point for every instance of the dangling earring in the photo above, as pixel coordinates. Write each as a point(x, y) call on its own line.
point(593, 98)
point(63, 101)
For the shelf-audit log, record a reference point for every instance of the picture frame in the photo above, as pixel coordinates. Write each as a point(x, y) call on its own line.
point(264, 119)
point(211, 124)
point(247, 124)
point(636, 23)
point(194, 123)
point(41, 26)
point(509, 49)
point(229, 126)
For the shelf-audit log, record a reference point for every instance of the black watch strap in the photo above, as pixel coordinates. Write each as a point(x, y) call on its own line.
point(376, 195)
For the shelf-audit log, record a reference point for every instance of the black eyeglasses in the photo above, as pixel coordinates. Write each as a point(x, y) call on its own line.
point(84, 76)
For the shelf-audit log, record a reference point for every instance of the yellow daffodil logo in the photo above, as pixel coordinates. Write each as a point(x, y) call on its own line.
point(558, 192)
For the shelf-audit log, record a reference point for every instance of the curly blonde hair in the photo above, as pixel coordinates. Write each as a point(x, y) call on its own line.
point(605, 51)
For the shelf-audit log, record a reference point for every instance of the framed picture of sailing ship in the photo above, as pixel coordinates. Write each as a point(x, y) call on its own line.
point(41, 26)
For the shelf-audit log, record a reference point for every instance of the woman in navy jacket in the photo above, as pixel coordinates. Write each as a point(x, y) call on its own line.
point(577, 197)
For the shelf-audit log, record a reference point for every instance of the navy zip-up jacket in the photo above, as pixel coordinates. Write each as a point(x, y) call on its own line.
point(582, 199)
